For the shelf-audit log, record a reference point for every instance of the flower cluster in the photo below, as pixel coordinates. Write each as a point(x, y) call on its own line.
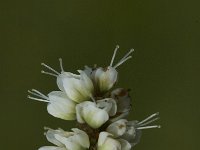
point(99, 110)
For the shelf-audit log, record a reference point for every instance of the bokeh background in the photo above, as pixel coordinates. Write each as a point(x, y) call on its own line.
point(163, 74)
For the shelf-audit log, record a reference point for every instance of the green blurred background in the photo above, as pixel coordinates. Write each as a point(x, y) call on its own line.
point(163, 74)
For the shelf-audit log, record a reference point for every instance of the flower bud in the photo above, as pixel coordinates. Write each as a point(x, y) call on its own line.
point(106, 141)
point(89, 112)
point(76, 140)
point(59, 104)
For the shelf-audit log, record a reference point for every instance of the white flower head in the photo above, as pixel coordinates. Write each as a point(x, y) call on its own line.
point(88, 112)
point(59, 104)
point(99, 111)
point(106, 141)
point(105, 78)
point(76, 140)
point(79, 88)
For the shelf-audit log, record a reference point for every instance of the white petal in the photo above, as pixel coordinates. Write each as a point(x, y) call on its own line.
point(106, 142)
point(61, 106)
point(106, 78)
point(81, 137)
point(125, 145)
point(78, 89)
point(91, 114)
point(70, 145)
point(117, 128)
point(51, 148)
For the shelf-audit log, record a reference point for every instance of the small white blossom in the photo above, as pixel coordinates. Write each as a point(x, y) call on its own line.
point(88, 112)
point(105, 78)
point(131, 130)
point(76, 140)
point(79, 88)
point(59, 104)
point(106, 141)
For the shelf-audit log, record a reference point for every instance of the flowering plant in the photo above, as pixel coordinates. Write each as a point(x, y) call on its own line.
point(99, 110)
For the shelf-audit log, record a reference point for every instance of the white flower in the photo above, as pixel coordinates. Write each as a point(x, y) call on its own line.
point(105, 78)
point(59, 104)
point(131, 130)
point(106, 141)
point(79, 88)
point(76, 140)
point(90, 113)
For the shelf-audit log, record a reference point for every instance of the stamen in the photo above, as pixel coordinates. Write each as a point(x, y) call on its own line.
point(43, 64)
point(149, 127)
point(132, 50)
point(149, 121)
point(35, 94)
point(114, 54)
point(148, 118)
point(61, 65)
point(37, 99)
point(48, 73)
point(122, 61)
point(36, 91)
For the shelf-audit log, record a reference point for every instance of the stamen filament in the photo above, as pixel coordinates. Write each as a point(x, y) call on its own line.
point(148, 118)
point(43, 64)
point(61, 65)
point(48, 73)
point(35, 94)
point(149, 121)
point(122, 61)
point(132, 50)
point(149, 127)
point(114, 54)
point(36, 91)
point(38, 99)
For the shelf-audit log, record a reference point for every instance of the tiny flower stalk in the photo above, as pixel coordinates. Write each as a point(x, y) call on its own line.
point(100, 112)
